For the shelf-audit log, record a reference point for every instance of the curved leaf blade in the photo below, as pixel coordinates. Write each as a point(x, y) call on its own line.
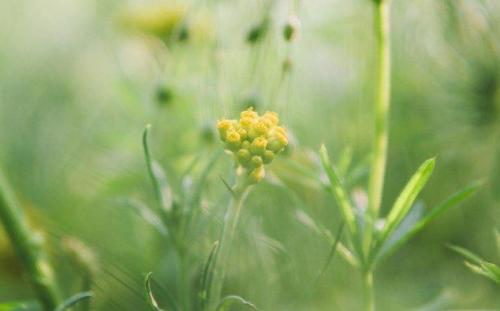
point(405, 200)
point(339, 192)
point(453, 201)
point(233, 299)
point(73, 300)
point(149, 294)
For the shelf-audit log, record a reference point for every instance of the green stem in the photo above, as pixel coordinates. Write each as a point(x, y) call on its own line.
point(239, 193)
point(382, 103)
point(368, 291)
point(27, 248)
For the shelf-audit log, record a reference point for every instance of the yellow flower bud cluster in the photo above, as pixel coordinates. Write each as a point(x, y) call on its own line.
point(254, 140)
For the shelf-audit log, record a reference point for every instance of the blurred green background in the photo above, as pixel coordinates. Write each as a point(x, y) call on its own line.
point(79, 81)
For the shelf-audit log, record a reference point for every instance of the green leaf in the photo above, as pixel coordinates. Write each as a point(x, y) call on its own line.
point(405, 200)
point(149, 294)
point(478, 265)
point(206, 279)
point(199, 186)
point(453, 201)
point(146, 213)
point(339, 192)
point(20, 306)
point(332, 251)
point(73, 300)
point(157, 175)
point(233, 299)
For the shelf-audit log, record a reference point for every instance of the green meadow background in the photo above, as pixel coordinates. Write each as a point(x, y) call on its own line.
point(77, 88)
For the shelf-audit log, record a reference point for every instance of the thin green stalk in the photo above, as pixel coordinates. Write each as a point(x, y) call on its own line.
point(382, 103)
point(239, 193)
point(27, 248)
point(150, 167)
point(368, 290)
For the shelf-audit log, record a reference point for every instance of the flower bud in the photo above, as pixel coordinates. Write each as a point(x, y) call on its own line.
point(258, 146)
point(257, 161)
point(233, 140)
point(291, 28)
point(257, 32)
point(257, 174)
point(268, 156)
point(254, 140)
point(243, 157)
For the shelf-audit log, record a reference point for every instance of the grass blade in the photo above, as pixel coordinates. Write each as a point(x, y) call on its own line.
point(206, 279)
point(149, 294)
point(405, 200)
point(231, 300)
point(163, 193)
point(478, 265)
point(329, 259)
point(453, 201)
point(73, 300)
point(340, 194)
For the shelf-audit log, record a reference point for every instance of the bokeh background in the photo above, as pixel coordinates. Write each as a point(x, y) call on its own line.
point(80, 79)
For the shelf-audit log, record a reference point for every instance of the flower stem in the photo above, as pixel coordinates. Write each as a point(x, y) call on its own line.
point(239, 193)
point(27, 248)
point(368, 291)
point(382, 104)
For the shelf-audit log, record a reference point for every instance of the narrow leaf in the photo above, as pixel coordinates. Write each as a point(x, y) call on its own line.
point(332, 251)
point(453, 201)
point(149, 294)
point(73, 300)
point(478, 265)
point(467, 254)
point(146, 213)
point(339, 192)
point(206, 278)
point(158, 177)
point(406, 198)
point(233, 299)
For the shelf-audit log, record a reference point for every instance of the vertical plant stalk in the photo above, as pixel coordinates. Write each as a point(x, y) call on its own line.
point(27, 248)
point(382, 104)
point(239, 193)
point(368, 291)
point(381, 137)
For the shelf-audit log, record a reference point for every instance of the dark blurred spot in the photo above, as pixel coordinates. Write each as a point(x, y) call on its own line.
point(258, 32)
point(164, 96)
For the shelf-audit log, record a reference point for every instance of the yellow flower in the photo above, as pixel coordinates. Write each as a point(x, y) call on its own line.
point(254, 140)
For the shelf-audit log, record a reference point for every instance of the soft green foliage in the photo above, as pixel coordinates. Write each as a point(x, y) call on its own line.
point(149, 293)
point(74, 300)
point(79, 80)
point(478, 265)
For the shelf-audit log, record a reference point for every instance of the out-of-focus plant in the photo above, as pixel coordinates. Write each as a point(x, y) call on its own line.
point(371, 238)
point(168, 23)
point(178, 218)
point(478, 265)
point(28, 246)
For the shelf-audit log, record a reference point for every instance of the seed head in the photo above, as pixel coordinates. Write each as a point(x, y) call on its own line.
point(254, 140)
point(291, 28)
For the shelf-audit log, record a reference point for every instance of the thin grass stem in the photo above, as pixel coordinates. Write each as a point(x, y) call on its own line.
point(382, 104)
point(368, 291)
point(28, 248)
point(238, 195)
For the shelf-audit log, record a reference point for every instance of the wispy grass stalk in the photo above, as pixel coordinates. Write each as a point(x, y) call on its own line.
point(381, 137)
point(238, 195)
point(382, 104)
point(28, 248)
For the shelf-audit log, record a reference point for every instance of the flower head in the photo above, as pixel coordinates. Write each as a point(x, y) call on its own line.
point(254, 140)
